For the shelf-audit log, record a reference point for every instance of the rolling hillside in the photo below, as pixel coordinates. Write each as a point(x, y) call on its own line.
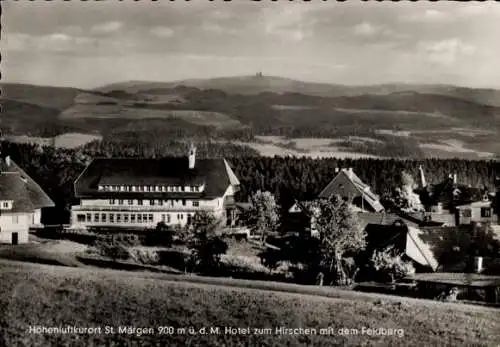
point(123, 306)
point(58, 98)
point(419, 119)
point(256, 85)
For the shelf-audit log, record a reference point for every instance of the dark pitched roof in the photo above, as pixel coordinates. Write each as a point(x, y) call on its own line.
point(216, 174)
point(404, 239)
point(12, 187)
point(441, 239)
point(356, 188)
point(449, 193)
point(38, 198)
point(382, 218)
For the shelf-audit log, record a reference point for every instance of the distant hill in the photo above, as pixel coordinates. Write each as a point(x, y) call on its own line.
point(58, 98)
point(262, 84)
point(243, 107)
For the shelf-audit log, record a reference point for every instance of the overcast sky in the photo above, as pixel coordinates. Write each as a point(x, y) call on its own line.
point(88, 44)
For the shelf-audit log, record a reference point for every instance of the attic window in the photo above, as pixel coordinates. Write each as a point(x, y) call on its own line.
point(6, 205)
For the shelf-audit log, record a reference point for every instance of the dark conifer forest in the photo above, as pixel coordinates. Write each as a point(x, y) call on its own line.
point(288, 178)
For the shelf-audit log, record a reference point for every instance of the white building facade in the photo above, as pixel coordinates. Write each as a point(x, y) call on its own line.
point(140, 193)
point(21, 203)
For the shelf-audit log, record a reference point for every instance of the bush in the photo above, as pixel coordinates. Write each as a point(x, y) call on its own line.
point(162, 235)
point(390, 265)
point(113, 250)
point(144, 256)
point(270, 258)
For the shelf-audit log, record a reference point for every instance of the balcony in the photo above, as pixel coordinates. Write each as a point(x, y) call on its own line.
point(147, 208)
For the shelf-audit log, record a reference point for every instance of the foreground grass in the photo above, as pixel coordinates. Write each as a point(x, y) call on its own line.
point(39, 253)
point(42, 295)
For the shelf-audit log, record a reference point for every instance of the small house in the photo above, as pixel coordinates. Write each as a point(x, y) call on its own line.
point(21, 202)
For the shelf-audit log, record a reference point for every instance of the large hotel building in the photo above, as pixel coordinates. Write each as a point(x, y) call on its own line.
point(140, 193)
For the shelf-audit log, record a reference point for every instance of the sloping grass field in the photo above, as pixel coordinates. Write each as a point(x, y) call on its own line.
point(52, 296)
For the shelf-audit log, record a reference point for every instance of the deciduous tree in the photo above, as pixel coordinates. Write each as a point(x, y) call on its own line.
point(264, 214)
point(340, 233)
point(206, 246)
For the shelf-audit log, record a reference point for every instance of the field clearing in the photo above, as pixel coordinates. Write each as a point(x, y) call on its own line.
point(35, 140)
point(74, 140)
point(40, 295)
point(394, 113)
point(207, 118)
point(455, 147)
point(271, 150)
point(67, 140)
point(271, 146)
point(293, 107)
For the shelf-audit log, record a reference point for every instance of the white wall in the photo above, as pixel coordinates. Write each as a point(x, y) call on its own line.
point(177, 211)
point(14, 222)
point(36, 217)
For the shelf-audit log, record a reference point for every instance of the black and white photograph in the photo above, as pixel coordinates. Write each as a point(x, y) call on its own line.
point(249, 173)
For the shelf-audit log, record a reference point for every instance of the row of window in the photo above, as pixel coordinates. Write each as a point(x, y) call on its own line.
point(150, 188)
point(126, 217)
point(194, 203)
point(467, 213)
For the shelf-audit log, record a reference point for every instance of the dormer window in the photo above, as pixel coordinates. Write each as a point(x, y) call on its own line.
point(100, 188)
point(163, 188)
point(157, 188)
point(133, 188)
point(5, 205)
point(122, 188)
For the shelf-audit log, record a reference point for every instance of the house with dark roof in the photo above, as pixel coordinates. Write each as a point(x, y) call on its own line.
point(21, 202)
point(140, 193)
point(349, 186)
point(404, 240)
point(442, 200)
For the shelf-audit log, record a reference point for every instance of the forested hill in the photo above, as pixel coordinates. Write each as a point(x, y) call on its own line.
point(288, 178)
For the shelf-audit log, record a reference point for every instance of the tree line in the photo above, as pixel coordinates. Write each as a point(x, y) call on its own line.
point(287, 178)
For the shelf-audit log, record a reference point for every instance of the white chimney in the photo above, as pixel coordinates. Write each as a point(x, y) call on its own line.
point(422, 177)
point(7, 160)
point(192, 156)
point(478, 264)
point(350, 173)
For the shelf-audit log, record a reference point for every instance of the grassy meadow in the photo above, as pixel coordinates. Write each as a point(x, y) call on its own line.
point(43, 295)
